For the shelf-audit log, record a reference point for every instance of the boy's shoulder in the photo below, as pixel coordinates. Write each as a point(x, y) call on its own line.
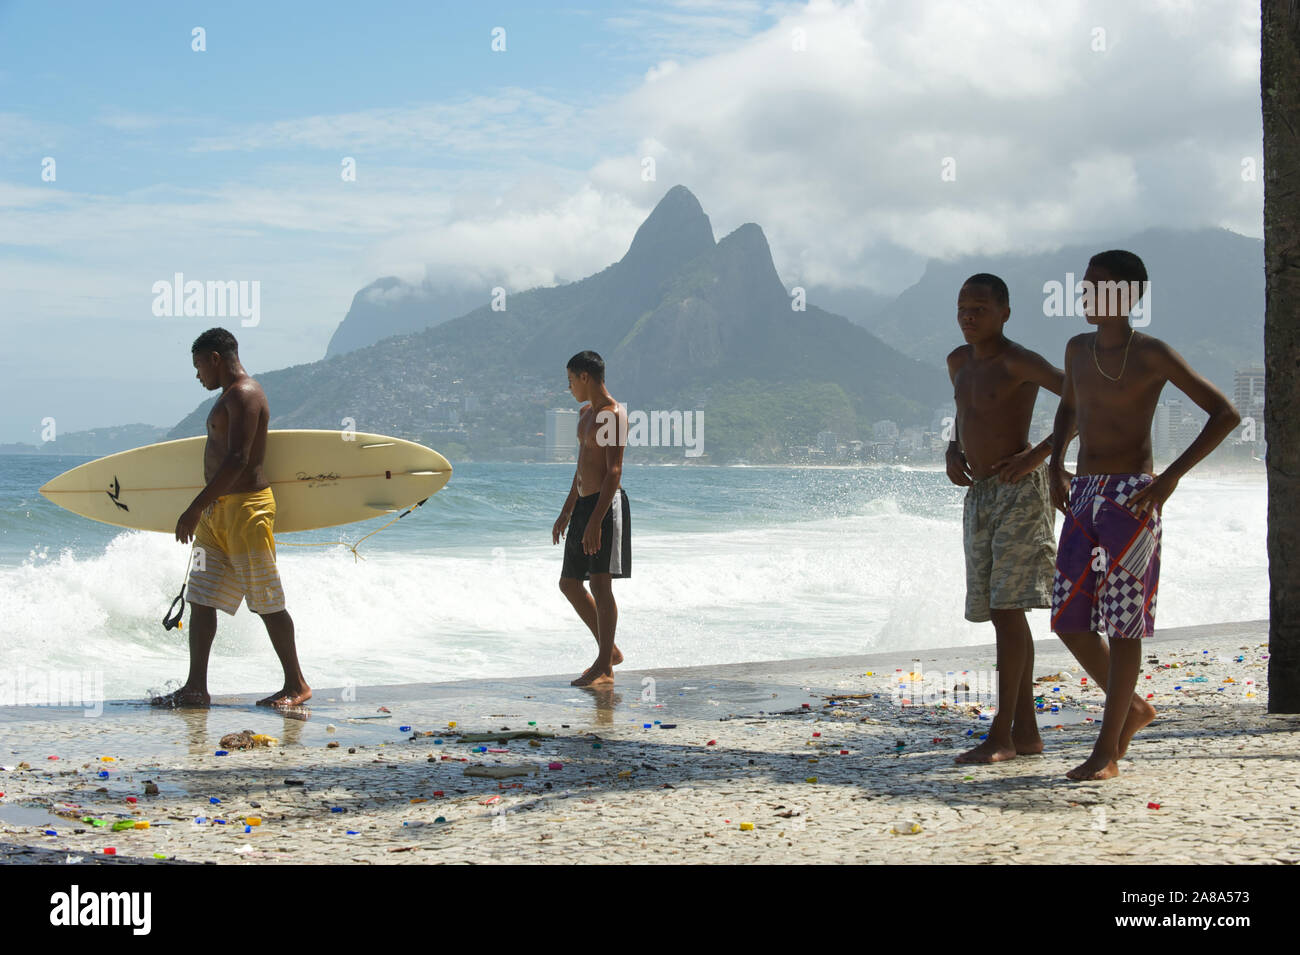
point(959, 356)
point(1016, 351)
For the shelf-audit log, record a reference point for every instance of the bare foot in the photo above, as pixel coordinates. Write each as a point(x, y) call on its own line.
point(1095, 768)
point(287, 697)
point(618, 658)
point(1140, 714)
point(182, 697)
point(987, 752)
point(1027, 745)
point(595, 676)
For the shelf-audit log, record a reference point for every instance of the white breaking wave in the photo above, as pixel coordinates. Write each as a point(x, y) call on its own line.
point(881, 579)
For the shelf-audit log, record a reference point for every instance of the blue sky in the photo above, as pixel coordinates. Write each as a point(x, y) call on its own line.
point(524, 167)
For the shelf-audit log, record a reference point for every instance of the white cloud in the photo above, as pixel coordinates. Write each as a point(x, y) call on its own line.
point(835, 150)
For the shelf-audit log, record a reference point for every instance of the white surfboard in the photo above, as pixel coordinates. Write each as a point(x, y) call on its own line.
point(319, 479)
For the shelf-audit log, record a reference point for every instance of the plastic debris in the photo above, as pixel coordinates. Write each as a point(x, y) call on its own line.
point(504, 736)
point(221, 752)
point(1153, 805)
point(907, 827)
point(109, 851)
point(498, 772)
point(555, 766)
point(746, 827)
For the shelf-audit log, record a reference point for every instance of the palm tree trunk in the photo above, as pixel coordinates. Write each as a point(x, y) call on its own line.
point(1279, 76)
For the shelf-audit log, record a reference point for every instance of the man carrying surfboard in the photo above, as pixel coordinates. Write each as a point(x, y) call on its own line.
point(598, 544)
point(232, 523)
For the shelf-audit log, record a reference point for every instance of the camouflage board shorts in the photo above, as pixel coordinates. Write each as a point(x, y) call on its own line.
point(1009, 536)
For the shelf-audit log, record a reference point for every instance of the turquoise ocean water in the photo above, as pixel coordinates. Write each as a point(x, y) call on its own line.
point(729, 564)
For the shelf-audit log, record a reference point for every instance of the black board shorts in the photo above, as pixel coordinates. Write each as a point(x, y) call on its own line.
point(615, 554)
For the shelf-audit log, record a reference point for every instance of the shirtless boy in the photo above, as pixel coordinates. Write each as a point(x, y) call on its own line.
point(598, 545)
point(232, 524)
point(1007, 517)
point(1108, 562)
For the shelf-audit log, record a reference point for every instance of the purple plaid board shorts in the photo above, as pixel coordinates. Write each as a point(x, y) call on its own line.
point(1108, 561)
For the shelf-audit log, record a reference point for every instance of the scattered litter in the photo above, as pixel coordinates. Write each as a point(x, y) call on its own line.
point(908, 827)
point(504, 736)
point(499, 772)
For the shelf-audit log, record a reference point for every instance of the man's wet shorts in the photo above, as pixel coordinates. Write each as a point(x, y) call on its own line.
point(615, 554)
point(234, 557)
point(1009, 538)
point(1108, 564)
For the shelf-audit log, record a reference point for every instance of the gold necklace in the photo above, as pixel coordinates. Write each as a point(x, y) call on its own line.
point(1123, 364)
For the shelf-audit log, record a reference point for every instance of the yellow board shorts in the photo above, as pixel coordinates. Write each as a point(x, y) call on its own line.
point(234, 555)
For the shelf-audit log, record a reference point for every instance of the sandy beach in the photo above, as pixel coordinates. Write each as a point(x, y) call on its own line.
point(802, 761)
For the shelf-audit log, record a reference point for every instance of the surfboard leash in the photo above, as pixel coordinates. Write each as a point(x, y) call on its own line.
point(353, 547)
point(172, 619)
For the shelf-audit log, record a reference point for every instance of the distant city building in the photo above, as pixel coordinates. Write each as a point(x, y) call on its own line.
point(884, 432)
point(561, 434)
point(1248, 396)
point(942, 422)
point(1161, 438)
point(1248, 390)
point(827, 441)
point(471, 404)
